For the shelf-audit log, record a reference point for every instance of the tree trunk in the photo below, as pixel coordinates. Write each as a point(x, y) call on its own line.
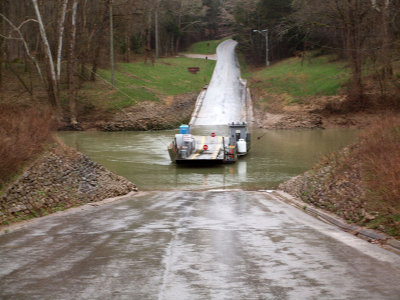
point(128, 48)
point(149, 31)
point(100, 39)
point(178, 38)
point(61, 27)
point(157, 38)
point(357, 90)
point(51, 72)
point(1, 50)
point(353, 45)
point(71, 66)
point(95, 62)
point(386, 53)
point(112, 45)
point(177, 44)
point(84, 37)
point(51, 93)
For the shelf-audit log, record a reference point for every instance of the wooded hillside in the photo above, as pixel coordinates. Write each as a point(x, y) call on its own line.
point(57, 44)
point(64, 42)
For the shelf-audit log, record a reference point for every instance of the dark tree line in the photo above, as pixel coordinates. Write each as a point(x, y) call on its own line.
point(260, 15)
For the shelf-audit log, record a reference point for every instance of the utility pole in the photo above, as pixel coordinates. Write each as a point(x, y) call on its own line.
point(112, 44)
point(265, 34)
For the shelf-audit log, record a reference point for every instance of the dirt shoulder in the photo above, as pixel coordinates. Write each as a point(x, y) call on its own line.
point(314, 112)
point(203, 56)
point(147, 115)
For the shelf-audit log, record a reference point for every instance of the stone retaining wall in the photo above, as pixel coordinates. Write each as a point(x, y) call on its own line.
point(58, 179)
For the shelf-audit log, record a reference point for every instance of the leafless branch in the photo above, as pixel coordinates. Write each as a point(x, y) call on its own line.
point(28, 52)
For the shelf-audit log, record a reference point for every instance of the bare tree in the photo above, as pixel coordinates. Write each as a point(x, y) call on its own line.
point(1, 48)
point(156, 28)
point(60, 37)
point(78, 31)
point(187, 14)
point(71, 66)
point(354, 21)
point(52, 77)
point(20, 37)
point(99, 38)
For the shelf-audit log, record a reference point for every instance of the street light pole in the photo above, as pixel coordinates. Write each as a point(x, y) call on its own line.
point(266, 49)
point(265, 34)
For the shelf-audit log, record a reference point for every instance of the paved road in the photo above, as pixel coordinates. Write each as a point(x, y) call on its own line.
point(193, 245)
point(224, 100)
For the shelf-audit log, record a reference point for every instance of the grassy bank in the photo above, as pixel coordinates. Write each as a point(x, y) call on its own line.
point(134, 83)
point(138, 82)
point(295, 79)
point(205, 47)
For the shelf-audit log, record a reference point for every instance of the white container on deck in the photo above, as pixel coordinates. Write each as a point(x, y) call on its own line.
point(241, 146)
point(179, 139)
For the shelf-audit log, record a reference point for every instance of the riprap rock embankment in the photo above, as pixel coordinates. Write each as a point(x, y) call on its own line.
point(58, 179)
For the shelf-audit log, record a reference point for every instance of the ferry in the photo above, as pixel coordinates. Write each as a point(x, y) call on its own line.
point(211, 148)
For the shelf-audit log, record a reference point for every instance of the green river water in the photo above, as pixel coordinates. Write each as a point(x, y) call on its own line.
point(275, 156)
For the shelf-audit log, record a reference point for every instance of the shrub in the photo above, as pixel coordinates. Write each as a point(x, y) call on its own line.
point(362, 182)
point(23, 132)
point(380, 154)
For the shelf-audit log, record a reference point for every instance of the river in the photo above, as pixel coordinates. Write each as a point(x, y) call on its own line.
point(275, 156)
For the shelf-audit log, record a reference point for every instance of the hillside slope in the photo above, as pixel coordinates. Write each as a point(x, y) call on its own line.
point(361, 183)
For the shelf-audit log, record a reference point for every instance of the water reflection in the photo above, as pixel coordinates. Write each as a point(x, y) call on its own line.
point(275, 156)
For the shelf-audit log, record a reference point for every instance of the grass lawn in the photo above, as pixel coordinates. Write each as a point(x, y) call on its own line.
point(321, 76)
point(205, 47)
point(137, 82)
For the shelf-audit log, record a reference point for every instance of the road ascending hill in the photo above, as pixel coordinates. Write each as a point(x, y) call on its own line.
point(224, 101)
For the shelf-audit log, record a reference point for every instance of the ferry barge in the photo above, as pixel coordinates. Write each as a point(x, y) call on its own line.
point(188, 148)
